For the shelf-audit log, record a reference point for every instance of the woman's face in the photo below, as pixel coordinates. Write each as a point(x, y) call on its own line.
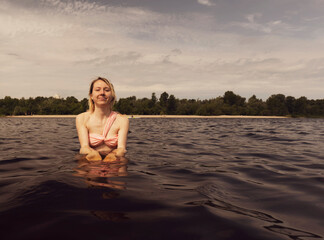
point(101, 93)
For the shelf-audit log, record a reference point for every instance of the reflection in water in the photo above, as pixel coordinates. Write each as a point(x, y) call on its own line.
point(294, 234)
point(99, 173)
point(214, 202)
point(110, 216)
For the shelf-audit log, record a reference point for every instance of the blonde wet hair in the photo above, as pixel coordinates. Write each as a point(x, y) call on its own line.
point(113, 94)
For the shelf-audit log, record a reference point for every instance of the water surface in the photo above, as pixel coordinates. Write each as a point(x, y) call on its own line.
point(181, 178)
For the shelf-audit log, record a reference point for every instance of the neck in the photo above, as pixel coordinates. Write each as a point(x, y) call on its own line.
point(102, 111)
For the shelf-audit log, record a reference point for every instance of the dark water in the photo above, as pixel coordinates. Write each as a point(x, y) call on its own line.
point(182, 179)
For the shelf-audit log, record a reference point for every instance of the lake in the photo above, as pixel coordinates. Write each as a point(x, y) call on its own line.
point(181, 179)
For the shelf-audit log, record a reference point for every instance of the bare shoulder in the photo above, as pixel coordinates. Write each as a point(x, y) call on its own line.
point(83, 117)
point(122, 118)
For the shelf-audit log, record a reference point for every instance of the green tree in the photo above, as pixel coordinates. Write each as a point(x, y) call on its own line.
point(163, 101)
point(301, 106)
point(231, 98)
point(8, 105)
point(153, 109)
point(276, 105)
point(126, 105)
point(229, 103)
point(18, 110)
point(84, 104)
point(255, 106)
point(290, 104)
point(171, 105)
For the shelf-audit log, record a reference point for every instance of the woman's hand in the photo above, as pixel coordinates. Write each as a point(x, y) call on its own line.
point(111, 157)
point(120, 152)
point(117, 153)
point(94, 156)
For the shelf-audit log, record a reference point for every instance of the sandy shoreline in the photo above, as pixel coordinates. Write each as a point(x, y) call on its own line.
point(151, 116)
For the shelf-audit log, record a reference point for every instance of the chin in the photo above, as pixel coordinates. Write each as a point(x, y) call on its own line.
point(103, 103)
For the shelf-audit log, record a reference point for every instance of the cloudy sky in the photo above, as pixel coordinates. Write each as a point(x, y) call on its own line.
point(189, 48)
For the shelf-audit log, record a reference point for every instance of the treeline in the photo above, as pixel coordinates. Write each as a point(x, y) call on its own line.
point(42, 106)
point(228, 104)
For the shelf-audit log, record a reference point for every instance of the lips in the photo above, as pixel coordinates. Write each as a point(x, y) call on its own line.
point(102, 99)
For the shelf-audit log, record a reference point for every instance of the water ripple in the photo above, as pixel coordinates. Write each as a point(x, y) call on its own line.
point(234, 177)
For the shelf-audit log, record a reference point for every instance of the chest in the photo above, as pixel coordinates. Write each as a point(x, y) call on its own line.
point(98, 128)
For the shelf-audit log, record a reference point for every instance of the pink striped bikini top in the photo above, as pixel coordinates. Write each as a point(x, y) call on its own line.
point(97, 139)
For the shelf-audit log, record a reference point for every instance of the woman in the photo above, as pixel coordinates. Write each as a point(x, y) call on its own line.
point(102, 131)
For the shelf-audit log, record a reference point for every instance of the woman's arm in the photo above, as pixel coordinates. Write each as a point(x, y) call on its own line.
point(83, 134)
point(122, 136)
point(122, 139)
point(84, 138)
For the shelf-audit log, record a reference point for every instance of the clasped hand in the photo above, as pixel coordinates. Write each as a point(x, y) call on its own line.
point(110, 157)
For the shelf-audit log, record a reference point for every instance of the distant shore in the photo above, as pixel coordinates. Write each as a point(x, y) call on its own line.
point(151, 116)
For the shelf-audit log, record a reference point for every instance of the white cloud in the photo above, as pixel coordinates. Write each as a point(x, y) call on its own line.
point(206, 2)
point(60, 46)
point(278, 26)
point(251, 17)
point(74, 6)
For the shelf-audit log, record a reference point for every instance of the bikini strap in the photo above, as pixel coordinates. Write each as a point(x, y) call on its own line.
point(109, 123)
